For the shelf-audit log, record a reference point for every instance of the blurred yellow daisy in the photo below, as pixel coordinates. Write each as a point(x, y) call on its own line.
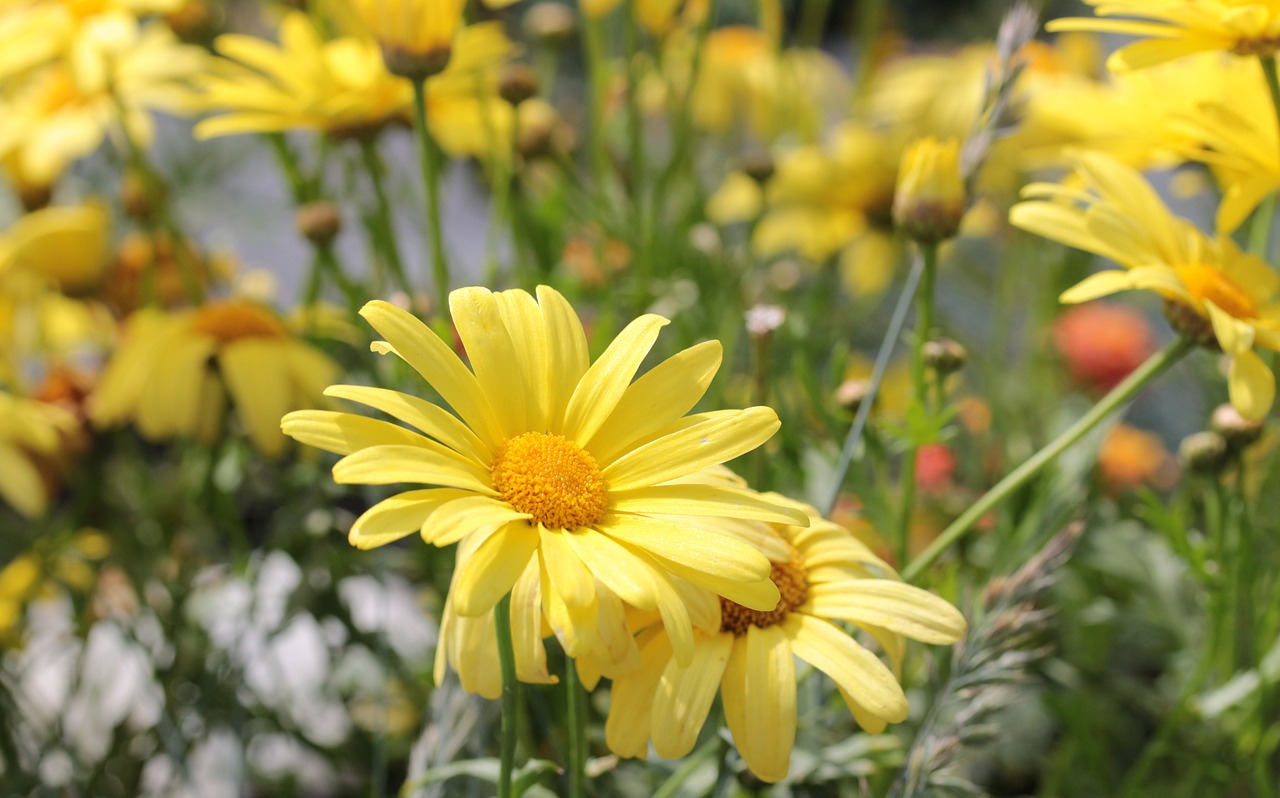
point(63, 111)
point(173, 370)
point(1214, 292)
point(554, 459)
point(36, 32)
point(1176, 28)
point(42, 570)
point(825, 577)
point(29, 431)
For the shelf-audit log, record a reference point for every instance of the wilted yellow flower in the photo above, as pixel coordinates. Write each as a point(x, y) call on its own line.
point(553, 459)
point(173, 371)
point(1214, 292)
point(825, 576)
point(1176, 28)
point(930, 197)
point(61, 112)
point(29, 431)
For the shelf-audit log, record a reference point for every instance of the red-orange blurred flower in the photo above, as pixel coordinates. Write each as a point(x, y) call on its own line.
point(1130, 458)
point(935, 466)
point(1102, 344)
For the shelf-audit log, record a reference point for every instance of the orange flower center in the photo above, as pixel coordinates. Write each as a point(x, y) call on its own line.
point(552, 479)
point(229, 321)
point(793, 583)
point(1206, 283)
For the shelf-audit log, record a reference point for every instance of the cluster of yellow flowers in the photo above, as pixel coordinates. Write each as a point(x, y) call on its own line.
point(601, 507)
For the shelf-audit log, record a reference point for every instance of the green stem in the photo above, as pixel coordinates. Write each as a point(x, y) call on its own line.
point(427, 159)
point(813, 16)
point(577, 710)
point(890, 339)
point(1156, 365)
point(919, 378)
point(385, 227)
point(510, 695)
point(1273, 84)
point(593, 39)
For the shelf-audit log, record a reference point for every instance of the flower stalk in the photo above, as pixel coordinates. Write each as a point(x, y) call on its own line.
point(1156, 365)
point(428, 161)
point(510, 696)
point(920, 383)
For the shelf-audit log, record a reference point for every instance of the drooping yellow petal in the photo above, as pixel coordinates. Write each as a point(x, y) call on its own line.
point(684, 695)
point(770, 718)
point(892, 605)
point(20, 483)
point(616, 566)
point(259, 388)
point(849, 665)
point(526, 629)
point(569, 575)
point(492, 570)
point(628, 726)
point(1252, 385)
point(1234, 336)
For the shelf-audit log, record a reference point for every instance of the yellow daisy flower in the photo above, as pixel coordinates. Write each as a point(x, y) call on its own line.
point(173, 370)
point(553, 459)
point(29, 430)
point(36, 32)
point(62, 112)
point(1176, 28)
point(1214, 292)
point(825, 576)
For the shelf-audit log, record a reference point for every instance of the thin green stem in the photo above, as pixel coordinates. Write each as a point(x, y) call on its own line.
point(1156, 365)
point(593, 41)
point(813, 17)
point(920, 383)
point(870, 12)
point(510, 695)
point(854, 438)
point(576, 706)
point(384, 225)
point(1273, 85)
point(427, 159)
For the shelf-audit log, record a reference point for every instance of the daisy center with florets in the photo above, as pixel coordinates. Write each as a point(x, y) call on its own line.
point(1206, 283)
point(230, 321)
point(793, 585)
point(552, 479)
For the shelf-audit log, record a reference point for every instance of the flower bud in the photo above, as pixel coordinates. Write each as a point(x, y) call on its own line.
point(929, 200)
point(416, 36)
point(945, 356)
point(551, 24)
point(1238, 431)
point(1203, 452)
point(758, 165)
point(518, 83)
point(135, 200)
point(319, 222)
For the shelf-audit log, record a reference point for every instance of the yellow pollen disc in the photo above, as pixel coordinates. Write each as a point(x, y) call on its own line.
point(228, 321)
point(552, 479)
point(793, 583)
point(1204, 282)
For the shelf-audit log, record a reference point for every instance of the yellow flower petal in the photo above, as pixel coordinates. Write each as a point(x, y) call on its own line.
point(1155, 278)
point(20, 483)
point(770, 713)
point(429, 356)
point(398, 516)
point(387, 465)
point(895, 606)
point(849, 665)
point(1252, 385)
point(726, 501)
point(430, 419)
point(569, 575)
point(462, 516)
point(1234, 336)
point(628, 726)
point(492, 570)
point(493, 357)
point(526, 628)
point(657, 400)
point(684, 695)
point(344, 433)
point(688, 546)
point(714, 440)
point(259, 389)
point(567, 355)
point(604, 384)
point(616, 566)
